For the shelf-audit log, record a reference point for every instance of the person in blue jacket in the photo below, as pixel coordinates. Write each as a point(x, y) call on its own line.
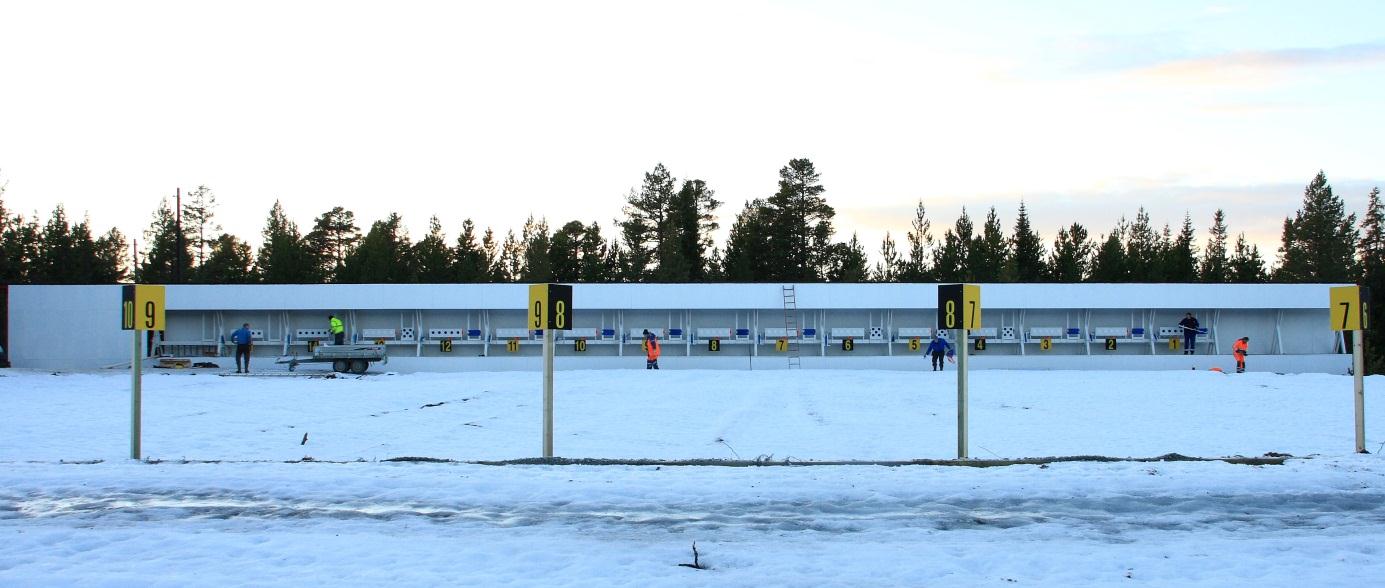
point(937, 348)
point(242, 338)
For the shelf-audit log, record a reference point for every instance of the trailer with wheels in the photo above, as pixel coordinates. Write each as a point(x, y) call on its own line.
point(353, 359)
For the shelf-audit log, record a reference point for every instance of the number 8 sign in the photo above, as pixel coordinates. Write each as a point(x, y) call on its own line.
point(550, 306)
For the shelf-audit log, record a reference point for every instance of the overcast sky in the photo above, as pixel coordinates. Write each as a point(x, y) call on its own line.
point(499, 110)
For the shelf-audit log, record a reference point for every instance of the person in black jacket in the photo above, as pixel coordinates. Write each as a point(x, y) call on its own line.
point(1190, 327)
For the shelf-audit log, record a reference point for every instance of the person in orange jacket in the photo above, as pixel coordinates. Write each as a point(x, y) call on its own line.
point(651, 351)
point(1238, 349)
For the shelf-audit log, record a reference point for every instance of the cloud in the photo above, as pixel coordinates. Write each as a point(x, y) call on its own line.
point(1243, 66)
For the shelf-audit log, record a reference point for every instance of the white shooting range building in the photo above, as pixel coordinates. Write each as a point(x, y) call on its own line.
point(482, 327)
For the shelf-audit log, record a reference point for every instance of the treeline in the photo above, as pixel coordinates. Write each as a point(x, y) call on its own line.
point(665, 234)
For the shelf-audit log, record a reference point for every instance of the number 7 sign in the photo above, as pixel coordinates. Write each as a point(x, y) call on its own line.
point(1349, 308)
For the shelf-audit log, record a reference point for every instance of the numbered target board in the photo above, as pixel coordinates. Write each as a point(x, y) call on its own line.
point(714, 345)
point(550, 306)
point(141, 307)
point(959, 306)
point(1349, 308)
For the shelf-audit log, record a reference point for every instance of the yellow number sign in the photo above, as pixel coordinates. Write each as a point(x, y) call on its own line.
point(848, 344)
point(1174, 344)
point(1110, 343)
point(512, 345)
point(445, 346)
point(579, 345)
point(1046, 343)
point(781, 344)
point(914, 344)
point(714, 345)
point(980, 344)
point(1349, 308)
point(550, 306)
point(142, 307)
point(959, 306)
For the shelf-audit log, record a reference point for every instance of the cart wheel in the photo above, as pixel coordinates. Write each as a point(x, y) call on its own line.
point(341, 365)
point(359, 366)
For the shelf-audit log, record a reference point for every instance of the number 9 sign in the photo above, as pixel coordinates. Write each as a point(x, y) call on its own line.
point(142, 308)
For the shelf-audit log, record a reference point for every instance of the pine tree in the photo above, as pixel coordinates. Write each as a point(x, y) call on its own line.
point(432, 258)
point(922, 249)
point(951, 261)
point(164, 263)
point(1319, 243)
point(511, 261)
point(228, 262)
point(800, 222)
point(1246, 265)
point(688, 234)
point(537, 267)
point(385, 255)
point(1143, 251)
point(1214, 263)
point(565, 252)
point(1072, 251)
point(199, 208)
point(1109, 262)
point(1180, 257)
point(847, 262)
point(594, 254)
point(334, 236)
point(890, 265)
point(1371, 251)
point(20, 240)
point(645, 226)
point(990, 251)
point(57, 257)
point(470, 264)
point(491, 254)
point(748, 258)
point(1027, 260)
point(283, 257)
point(110, 258)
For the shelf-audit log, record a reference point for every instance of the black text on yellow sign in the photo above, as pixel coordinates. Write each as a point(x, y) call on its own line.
point(959, 306)
point(1350, 305)
point(579, 345)
point(714, 345)
point(848, 344)
point(550, 306)
point(512, 345)
point(142, 307)
point(1173, 344)
point(445, 346)
point(914, 344)
point(1046, 343)
point(781, 345)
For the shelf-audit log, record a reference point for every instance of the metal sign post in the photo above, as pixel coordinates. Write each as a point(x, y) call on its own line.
point(550, 308)
point(141, 309)
point(959, 309)
point(1349, 310)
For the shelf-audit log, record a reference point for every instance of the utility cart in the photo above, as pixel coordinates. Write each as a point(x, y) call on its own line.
point(354, 359)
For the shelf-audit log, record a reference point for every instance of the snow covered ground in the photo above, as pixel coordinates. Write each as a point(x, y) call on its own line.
point(224, 507)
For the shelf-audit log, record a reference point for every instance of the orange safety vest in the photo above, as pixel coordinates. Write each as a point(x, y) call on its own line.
point(652, 351)
point(1239, 348)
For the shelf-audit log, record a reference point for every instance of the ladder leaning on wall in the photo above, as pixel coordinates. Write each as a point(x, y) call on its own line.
point(791, 324)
